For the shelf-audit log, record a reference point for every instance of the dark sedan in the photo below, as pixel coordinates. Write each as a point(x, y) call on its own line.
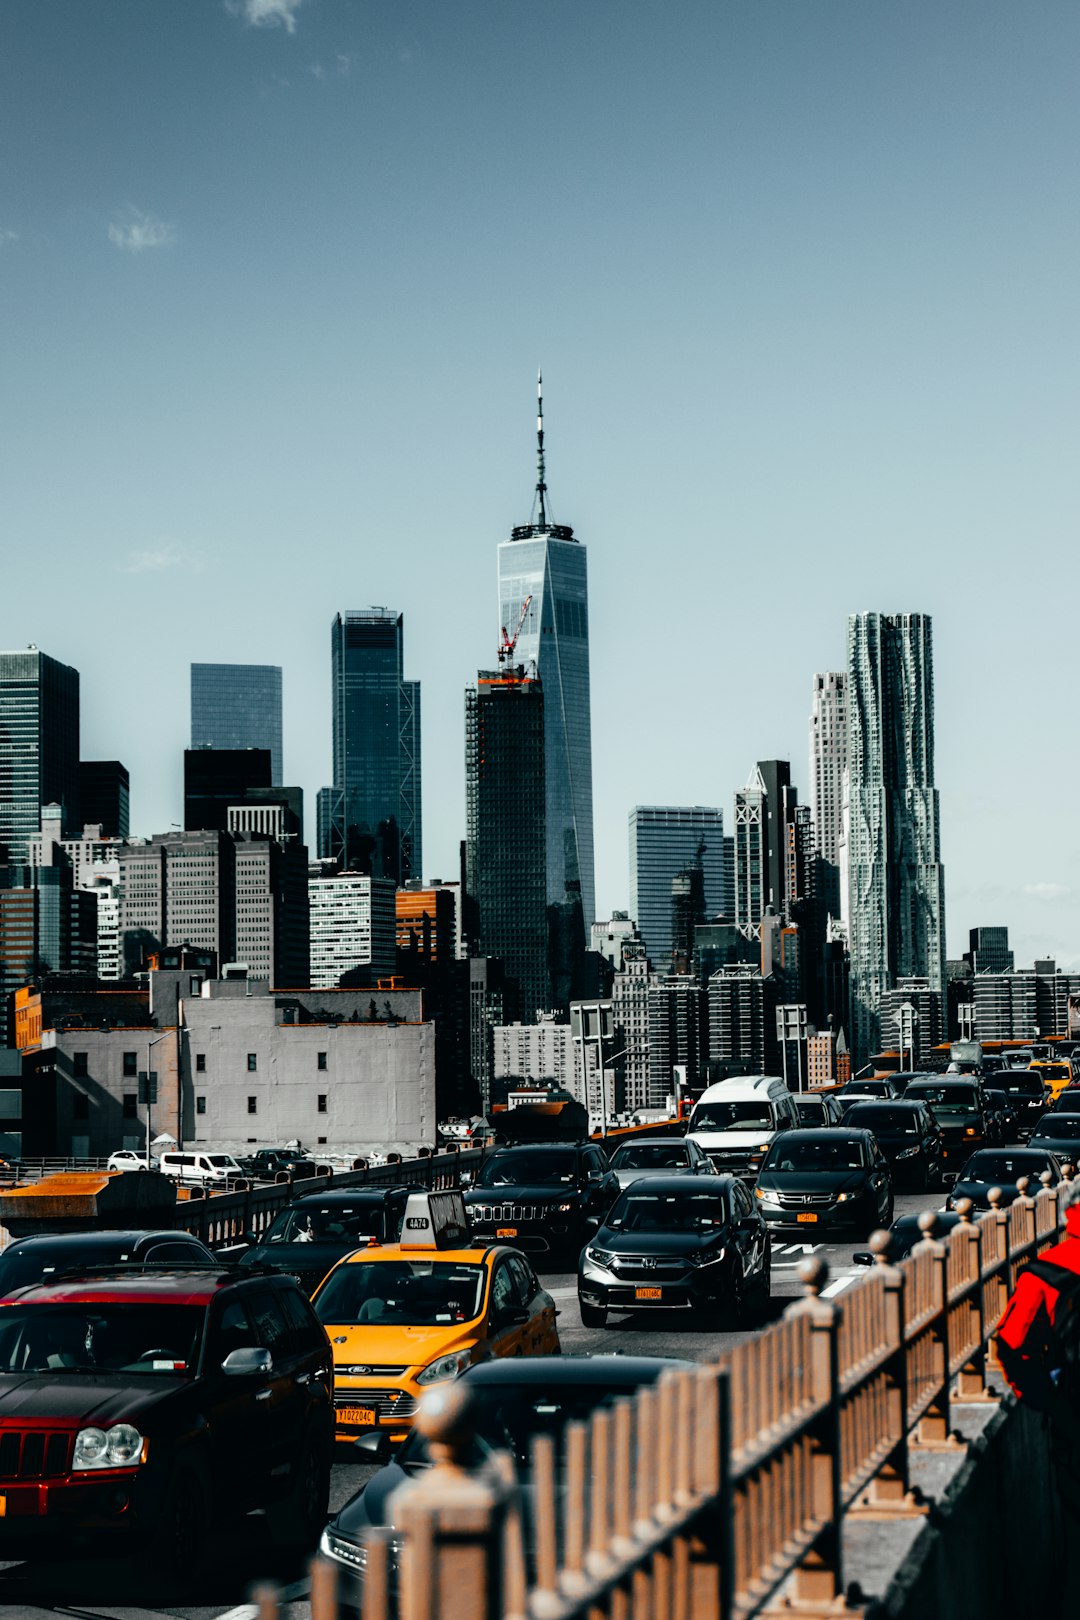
point(905, 1232)
point(1026, 1093)
point(907, 1134)
point(826, 1178)
point(515, 1399)
point(1067, 1101)
point(819, 1108)
point(659, 1156)
point(958, 1105)
point(310, 1236)
point(1059, 1134)
point(51, 1255)
point(1002, 1167)
point(686, 1243)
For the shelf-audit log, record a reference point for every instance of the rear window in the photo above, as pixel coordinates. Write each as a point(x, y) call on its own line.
point(875, 1117)
point(221, 1161)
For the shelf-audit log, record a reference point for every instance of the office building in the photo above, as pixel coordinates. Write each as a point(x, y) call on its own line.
point(506, 850)
point(93, 861)
point(543, 599)
point(427, 920)
point(742, 1022)
point(238, 706)
point(177, 888)
point(781, 800)
point(630, 990)
point(1006, 1006)
point(751, 859)
point(216, 779)
point(666, 840)
point(46, 926)
point(678, 1035)
point(828, 762)
point(271, 887)
point(608, 939)
point(352, 925)
point(896, 885)
point(540, 1054)
point(988, 950)
point(912, 1022)
point(39, 747)
point(493, 1001)
point(105, 796)
point(370, 819)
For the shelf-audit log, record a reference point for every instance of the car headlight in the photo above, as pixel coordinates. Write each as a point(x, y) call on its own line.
point(970, 1130)
point(712, 1259)
point(118, 1447)
point(599, 1257)
point(563, 1209)
point(908, 1153)
point(766, 1195)
point(448, 1366)
point(845, 1198)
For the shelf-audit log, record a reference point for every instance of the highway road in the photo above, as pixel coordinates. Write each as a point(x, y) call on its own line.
point(106, 1588)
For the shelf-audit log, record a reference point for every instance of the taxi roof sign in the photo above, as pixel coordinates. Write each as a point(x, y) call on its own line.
point(435, 1220)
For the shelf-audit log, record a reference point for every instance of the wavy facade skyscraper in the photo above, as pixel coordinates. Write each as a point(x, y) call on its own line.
point(896, 882)
point(542, 564)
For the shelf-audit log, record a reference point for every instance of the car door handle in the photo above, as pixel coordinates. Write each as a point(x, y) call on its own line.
point(304, 1378)
point(263, 1394)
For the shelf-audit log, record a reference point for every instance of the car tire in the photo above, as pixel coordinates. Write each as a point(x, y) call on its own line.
point(179, 1540)
point(592, 1316)
point(298, 1518)
point(736, 1299)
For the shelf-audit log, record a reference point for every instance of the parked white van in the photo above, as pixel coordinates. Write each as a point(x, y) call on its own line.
point(736, 1120)
point(200, 1167)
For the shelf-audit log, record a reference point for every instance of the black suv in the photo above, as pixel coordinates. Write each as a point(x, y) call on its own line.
point(958, 1104)
point(908, 1135)
point(268, 1163)
point(540, 1198)
point(310, 1235)
point(138, 1410)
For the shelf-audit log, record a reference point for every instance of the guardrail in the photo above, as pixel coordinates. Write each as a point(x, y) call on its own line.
point(222, 1219)
point(700, 1498)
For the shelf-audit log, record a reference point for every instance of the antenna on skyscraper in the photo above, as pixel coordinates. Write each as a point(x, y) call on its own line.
point(541, 486)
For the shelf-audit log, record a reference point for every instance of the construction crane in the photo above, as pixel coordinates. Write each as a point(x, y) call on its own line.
point(508, 643)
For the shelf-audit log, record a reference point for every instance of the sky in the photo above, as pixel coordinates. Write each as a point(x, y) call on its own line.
point(276, 277)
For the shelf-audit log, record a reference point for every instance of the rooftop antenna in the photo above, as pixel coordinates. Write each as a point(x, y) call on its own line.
point(541, 486)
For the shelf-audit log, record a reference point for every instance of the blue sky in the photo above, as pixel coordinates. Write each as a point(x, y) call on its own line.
point(275, 279)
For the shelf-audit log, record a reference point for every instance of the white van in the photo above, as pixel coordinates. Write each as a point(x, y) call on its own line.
point(736, 1120)
point(199, 1166)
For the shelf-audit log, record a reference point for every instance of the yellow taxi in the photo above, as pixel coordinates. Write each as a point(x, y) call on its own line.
point(403, 1316)
point(1055, 1073)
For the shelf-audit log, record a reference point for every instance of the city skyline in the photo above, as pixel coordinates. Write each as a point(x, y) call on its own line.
point(834, 374)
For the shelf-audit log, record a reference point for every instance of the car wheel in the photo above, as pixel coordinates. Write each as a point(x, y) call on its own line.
point(765, 1282)
point(737, 1299)
point(593, 1316)
point(298, 1518)
point(179, 1540)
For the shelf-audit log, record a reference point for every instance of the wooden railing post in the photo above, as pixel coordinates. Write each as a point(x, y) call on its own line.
point(971, 1384)
point(889, 1493)
point(453, 1522)
point(934, 1429)
point(819, 1576)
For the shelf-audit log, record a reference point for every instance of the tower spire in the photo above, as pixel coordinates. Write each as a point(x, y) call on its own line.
point(541, 486)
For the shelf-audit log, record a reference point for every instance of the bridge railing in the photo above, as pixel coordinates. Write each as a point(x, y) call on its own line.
point(701, 1498)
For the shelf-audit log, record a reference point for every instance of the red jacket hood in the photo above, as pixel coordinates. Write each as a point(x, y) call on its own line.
point(1072, 1219)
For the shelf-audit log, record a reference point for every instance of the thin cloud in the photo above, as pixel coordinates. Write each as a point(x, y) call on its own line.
point(7, 236)
point(157, 559)
point(266, 13)
point(1046, 891)
point(135, 231)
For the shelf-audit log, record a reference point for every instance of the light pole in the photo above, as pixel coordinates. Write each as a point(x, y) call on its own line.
point(151, 1088)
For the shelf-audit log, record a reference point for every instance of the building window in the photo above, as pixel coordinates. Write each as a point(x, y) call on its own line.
point(322, 1102)
point(79, 1064)
point(200, 1105)
point(80, 1105)
point(10, 1104)
point(200, 1063)
point(321, 1064)
point(195, 987)
point(253, 1064)
point(131, 1105)
point(131, 1062)
point(253, 1105)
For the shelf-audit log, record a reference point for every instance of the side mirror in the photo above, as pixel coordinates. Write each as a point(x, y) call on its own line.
point(466, 1178)
point(248, 1363)
point(374, 1447)
point(592, 1222)
point(950, 1178)
point(862, 1258)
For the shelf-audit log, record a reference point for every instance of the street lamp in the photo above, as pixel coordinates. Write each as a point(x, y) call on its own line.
point(151, 1088)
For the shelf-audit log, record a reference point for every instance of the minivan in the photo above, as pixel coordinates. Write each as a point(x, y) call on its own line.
point(199, 1166)
point(736, 1120)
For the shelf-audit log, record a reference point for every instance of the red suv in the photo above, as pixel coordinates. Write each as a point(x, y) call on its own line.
point(144, 1408)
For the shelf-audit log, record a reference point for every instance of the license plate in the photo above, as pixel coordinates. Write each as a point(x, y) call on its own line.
point(807, 1217)
point(506, 1231)
point(648, 1293)
point(363, 1416)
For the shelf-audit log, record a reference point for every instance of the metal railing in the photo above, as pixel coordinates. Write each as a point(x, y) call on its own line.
point(700, 1498)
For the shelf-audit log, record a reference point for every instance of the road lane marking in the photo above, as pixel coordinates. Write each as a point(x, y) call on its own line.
point(839, 1285)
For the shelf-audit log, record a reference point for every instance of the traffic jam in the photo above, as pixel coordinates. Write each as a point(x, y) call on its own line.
point(153, 1396)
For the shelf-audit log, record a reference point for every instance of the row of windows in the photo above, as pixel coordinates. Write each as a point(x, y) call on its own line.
point(80, 1061)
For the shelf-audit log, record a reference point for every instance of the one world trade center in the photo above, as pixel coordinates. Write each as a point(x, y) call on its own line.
point(542, 564)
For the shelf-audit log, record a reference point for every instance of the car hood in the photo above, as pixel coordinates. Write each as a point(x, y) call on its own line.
point(820, 1181)
point(377, 1344)
point(978, 1191)
point(367, 1509)
point(524, 1192)
point(620, 1242)
point(92, 1398)
point(896, 1141)
point(627, 1175)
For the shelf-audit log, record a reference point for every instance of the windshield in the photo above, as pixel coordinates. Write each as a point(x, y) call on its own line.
point(732, 1116)
point(222, 1161)
point(406, 1293)
point(100, 1337)
point(893, 1121)
point(650, 1156)
point(639, 1211)
point(946, 1099)
point(867, 1088)
point(811, 1110)
point(1004, 1167)
point(526, 1167)
point(840, 1153)
point(1065, 1126)
point(326, 1224)
point(1023, 1085)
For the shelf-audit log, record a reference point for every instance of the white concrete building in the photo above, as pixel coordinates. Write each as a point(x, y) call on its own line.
point(542, 1053)
point(352, 924)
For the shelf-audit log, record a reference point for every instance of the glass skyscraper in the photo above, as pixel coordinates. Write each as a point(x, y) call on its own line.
point(544, 562)
point(664, 841)
point(370, 820)
point(238, 706)
point(896, 882)
point(39, 747)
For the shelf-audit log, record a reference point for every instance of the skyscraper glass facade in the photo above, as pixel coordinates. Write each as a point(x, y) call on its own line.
point(238, 706)
point(896, 899)
point(828, 762)
point(664, 841)
point(370, 819)
point(39, 747)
